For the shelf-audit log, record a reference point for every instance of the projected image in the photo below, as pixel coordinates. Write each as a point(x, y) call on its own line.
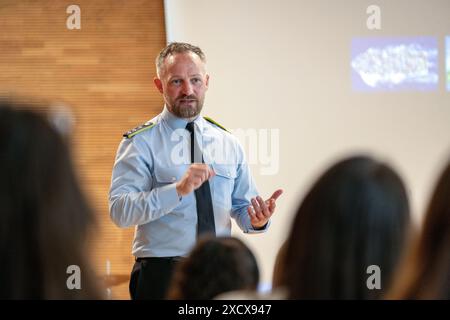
point(392, 64)
point(447, 61)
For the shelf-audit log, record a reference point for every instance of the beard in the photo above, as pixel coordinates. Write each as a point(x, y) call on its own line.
point(186, 106)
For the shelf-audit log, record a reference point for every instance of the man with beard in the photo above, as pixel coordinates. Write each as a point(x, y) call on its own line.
point(180, 176)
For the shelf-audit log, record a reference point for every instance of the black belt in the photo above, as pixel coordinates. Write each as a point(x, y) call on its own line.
point(172, 259)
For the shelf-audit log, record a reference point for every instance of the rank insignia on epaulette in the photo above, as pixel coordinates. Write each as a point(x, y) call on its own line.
point(139, 129)
point(214, 122)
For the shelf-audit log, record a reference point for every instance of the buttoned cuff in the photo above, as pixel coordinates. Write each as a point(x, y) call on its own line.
point(264, 229)
point(168, 196)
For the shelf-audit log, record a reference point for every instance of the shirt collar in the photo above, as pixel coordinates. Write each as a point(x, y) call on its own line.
point(179, 123)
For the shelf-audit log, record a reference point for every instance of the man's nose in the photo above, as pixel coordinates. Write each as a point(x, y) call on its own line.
point(187, 89)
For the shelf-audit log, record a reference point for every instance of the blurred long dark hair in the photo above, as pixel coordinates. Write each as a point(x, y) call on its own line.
point(425, 272)
point(44, 217)
point(356, 215)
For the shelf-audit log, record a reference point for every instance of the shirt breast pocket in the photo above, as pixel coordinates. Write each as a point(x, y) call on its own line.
point(167, 175)
point(223, 185)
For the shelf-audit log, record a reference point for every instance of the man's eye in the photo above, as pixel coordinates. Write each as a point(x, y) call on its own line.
point(177, 81)
point(196, 80)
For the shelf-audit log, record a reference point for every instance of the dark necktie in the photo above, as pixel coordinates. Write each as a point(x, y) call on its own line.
point(205, 213)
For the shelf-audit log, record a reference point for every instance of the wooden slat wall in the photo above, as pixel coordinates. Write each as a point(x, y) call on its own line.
point(103, 72)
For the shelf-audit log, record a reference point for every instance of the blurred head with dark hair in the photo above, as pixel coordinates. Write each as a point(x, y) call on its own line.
point(44, 217)
point(215, 266)
point(356, 215)
point(425, 272)
point(278, 268)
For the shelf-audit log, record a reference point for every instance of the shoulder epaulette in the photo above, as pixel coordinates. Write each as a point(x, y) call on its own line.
point(213, 122)
point(139, 129)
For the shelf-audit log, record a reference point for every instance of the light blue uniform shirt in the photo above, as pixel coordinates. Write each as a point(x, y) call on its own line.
point(143, 187)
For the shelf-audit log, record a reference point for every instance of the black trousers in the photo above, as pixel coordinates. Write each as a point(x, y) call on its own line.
point(150, 277)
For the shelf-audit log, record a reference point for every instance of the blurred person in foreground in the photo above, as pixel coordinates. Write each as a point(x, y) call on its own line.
point(44, 217)
point(215, 266)
point(355, 216)
point(425, 272)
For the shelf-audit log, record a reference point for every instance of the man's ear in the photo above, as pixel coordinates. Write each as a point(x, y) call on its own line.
point(158, 84)
point(207, 81)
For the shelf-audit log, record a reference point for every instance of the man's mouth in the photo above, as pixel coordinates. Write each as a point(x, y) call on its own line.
point(187, 100)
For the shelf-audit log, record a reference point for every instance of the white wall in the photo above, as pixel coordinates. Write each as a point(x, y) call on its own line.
point(285, 65)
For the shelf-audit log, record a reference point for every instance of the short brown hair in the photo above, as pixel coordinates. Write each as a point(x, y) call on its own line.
point(177, 47)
